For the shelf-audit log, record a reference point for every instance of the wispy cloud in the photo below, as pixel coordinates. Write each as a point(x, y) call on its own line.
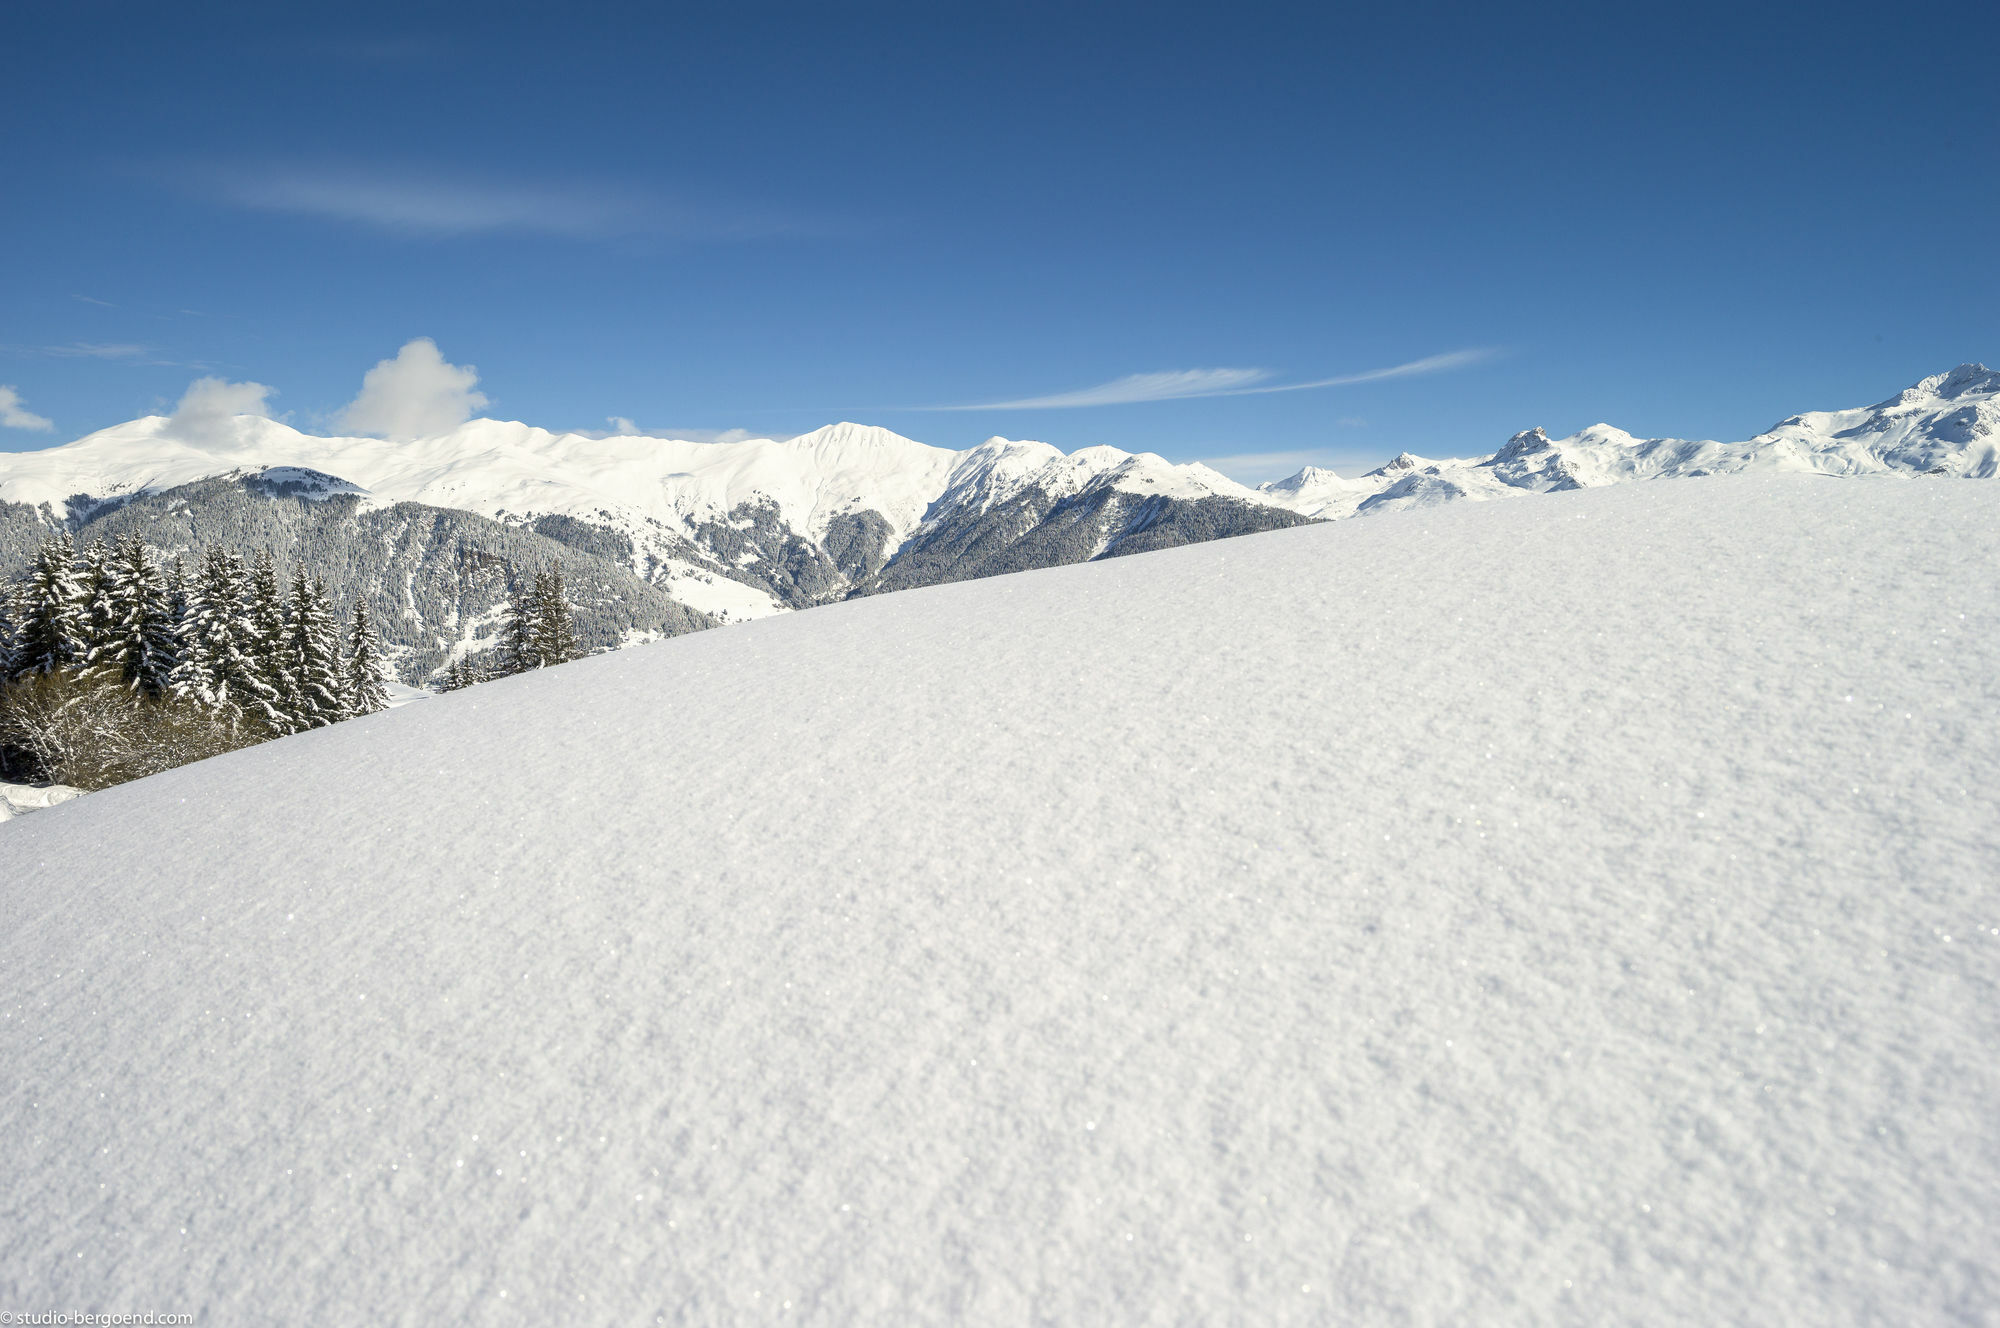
point(14, 416)
point(1430, 364)
point(1184, 384)
point(431, 203)
point(92, 299)
point(128, 352)
point(91, 350)
point(1171, 385)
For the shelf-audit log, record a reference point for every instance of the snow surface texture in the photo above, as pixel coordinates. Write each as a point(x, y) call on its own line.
point(1571, 912)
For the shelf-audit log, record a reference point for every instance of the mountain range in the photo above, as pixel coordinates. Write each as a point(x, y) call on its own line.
point(662, 536)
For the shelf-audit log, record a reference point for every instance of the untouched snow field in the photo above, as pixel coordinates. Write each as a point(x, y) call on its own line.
point(1579, 912)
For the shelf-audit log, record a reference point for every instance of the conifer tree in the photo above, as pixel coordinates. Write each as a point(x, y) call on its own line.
point(177, 592)
point(517, 651)
point(6, 632)
point(312, 654)
point(214, 667)
point(459, 675)
point(251, 692)
point(554, 631)
point(196, 645)
point(276, 693)
point(366, 692)
point(139, 652)
point(48, 612)
point(97, 614)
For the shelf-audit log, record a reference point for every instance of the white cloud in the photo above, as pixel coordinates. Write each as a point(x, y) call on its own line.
point(621, 426)
point(1181, 384)
point(13, 416)
point(418, 394)
point(208, 410)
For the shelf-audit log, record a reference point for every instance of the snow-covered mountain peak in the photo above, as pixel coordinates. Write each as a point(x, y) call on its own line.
point(1401, 464)
point(1317, 492)
point(1971, 379)
point(847, 436)
point(1306, 477)
point(1602, 435)
point(1152, 475)
point(1521, 444)
point(1001, 468)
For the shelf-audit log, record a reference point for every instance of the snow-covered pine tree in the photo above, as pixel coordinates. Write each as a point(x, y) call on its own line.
point(313, 655)
point(366, 691)
point(516, 652)
point(214, 667)
point(197, 635)
point(458, 676)
point(97, 612)
point(177, 593)
point(140, 652)
point(554, 627)
point(48, 612)
point(276, 700)
point(6, 631)
point(333, 675)
point(250, 690)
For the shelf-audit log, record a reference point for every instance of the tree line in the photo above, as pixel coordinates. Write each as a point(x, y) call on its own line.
point(114, 665)
point(538, 630)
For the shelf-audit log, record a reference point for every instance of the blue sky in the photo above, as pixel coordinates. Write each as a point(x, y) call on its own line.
point(1689, 221)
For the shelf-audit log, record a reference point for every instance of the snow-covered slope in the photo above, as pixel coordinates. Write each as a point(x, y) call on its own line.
point(1578, 911)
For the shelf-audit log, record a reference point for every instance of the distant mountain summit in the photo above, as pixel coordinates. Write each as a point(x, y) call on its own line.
point(669, 535)
point(1947, 424)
